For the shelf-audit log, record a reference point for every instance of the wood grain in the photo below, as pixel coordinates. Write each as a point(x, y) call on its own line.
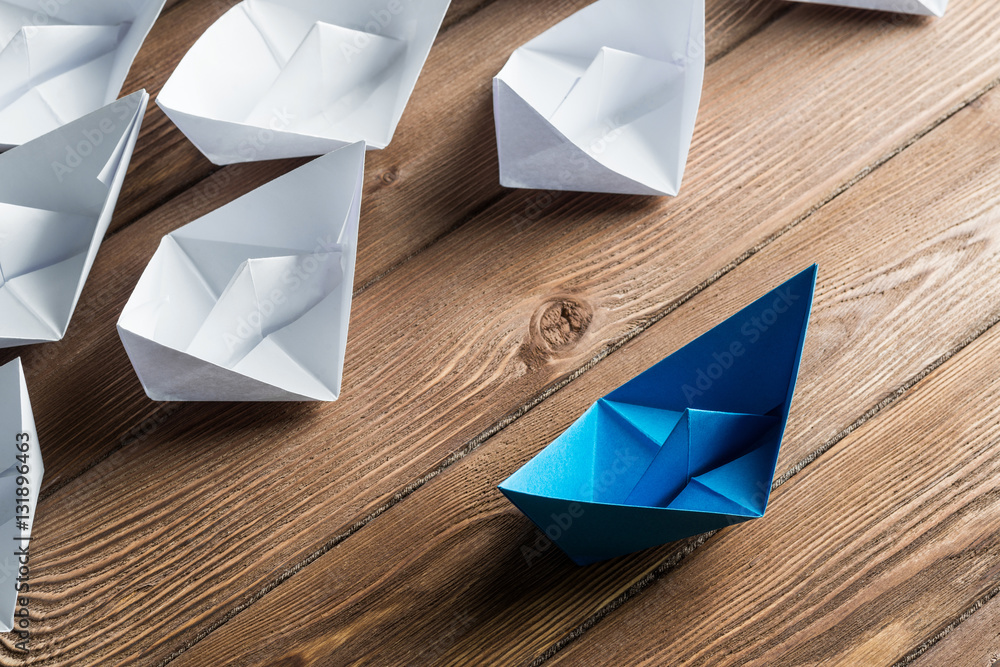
point(974, 640)
point(215, 504)
point(438, 143)
point(394, 228)
point(439, 169)
point(828, 582)
point(165, 162)
point(889, 538)
point(454, 575)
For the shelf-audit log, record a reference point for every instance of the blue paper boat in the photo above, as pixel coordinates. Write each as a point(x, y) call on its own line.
point(688, 446)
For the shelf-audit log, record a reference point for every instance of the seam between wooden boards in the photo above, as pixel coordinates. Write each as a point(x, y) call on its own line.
point(465, 219)
point(895, 396)
point(516, 414)
point(929, 643)
point(214, 169)
point(475, 211)
point(892, 398)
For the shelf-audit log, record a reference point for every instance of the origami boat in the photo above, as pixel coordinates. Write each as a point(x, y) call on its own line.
point(20, 481)
point(57, 194)
point(921, 7)
point(61, 59)
point(289, 78)
point(251, 302)
point(605, 101)
point(686, 447)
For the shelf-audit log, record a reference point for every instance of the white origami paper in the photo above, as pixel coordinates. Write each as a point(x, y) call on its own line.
point(62, 59)
point(605, 101)
point(57, 194)
point(290, 78)
point(922, 7)
point(251, 302)
point(20, 481)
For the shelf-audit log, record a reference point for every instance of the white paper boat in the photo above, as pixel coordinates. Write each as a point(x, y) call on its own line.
point(20, 481)
point(57, 194)
point(251, 302)
point(922, 7)
point(605, 101)
point(291, 78)
point(62, 59)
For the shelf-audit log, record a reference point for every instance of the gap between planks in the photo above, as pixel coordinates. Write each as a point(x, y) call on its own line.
point(513, 416)
point(472, 214)
point(728, 27)
point(495, 200)
point(894, 397)
point(465, 219)
point(929, 643)
point(212, 169)
point(885, 148)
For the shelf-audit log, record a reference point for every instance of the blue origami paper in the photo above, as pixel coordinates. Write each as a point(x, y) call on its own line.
point(688, 446)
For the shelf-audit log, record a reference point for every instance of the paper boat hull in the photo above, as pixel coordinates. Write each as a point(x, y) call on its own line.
point(251, 302)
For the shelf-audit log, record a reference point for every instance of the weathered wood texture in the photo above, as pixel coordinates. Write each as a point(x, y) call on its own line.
point(972, 638)
point(170, 163)
point(177, 532)
point(427, 601)
point(829, 582)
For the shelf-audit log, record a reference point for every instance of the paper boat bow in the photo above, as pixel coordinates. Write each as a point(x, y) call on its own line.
point(61, 60)
point(310, 76)
point(604, 101)
point(20, 481)
point(251, 302)
point(57, 195)
point(921, 7)
point(686, 447)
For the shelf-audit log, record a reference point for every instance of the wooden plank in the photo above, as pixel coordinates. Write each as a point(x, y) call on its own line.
point(971, 639)
point(892, 534)
point(165, 163)
point(410, 198)
point(254, 493)
point(394, 227)
point(455, 575)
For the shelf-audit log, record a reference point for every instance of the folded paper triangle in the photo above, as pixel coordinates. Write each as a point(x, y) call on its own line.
point(20, 481)
point(688, 446)
point(251, 302)
point(57, 195)
point(289, 78)
point(605, 101)
point(62, 60)
point(921, 7)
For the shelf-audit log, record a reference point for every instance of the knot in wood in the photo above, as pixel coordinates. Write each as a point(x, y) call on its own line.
point(556, 327)
point(563, 322)
point(390, 175)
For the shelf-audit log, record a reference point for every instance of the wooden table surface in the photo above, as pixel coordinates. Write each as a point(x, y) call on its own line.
point(369, 531)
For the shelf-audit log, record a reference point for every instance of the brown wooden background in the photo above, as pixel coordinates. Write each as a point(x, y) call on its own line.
point(369, 531)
